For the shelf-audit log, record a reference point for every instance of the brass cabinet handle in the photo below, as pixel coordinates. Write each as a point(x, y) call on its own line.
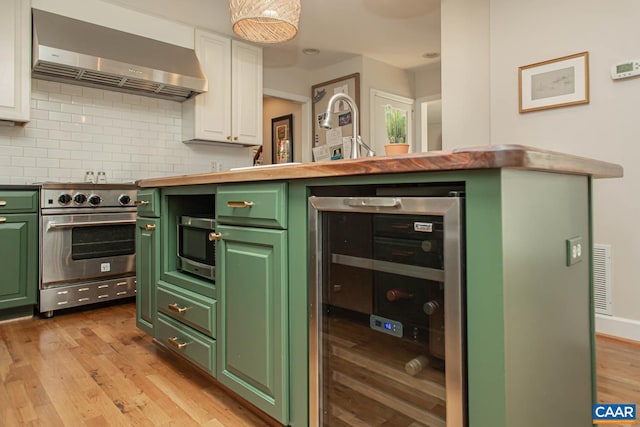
point(239, 204)
point(235, 138)
point(3, 203)
point(177, 344)
point(141, 202)
point(213, 236)
point(150, 227)
point(228, 137)
point(3, 219)
point(177, 308)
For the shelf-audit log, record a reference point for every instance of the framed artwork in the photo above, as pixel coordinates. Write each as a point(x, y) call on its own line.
point(554, 83)
point(282, 139)
point(335, 143)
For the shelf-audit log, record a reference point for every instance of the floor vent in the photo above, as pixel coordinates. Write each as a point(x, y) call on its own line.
point(602, 279)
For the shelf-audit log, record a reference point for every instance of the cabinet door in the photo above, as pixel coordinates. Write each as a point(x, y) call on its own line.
point(18, 260)
point(213, 108)
point(253, 321)
point(246, 66)
point(147, 272)
point(15, 51)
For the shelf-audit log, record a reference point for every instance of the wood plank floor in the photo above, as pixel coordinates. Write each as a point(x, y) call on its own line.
point(95, 368)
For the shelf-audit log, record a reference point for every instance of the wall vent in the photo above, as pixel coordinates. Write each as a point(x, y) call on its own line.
point(602, 279)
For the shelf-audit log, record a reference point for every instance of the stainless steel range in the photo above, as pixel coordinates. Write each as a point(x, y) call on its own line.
point(87, 244)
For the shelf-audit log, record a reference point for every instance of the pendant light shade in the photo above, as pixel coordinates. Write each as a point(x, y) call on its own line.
point(265, 21)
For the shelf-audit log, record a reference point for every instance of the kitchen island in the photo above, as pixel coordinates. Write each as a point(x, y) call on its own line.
point(528, 327)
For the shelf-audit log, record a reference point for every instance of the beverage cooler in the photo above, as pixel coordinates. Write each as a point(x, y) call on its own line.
point(386, 311)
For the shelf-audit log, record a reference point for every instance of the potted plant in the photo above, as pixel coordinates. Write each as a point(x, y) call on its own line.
point(396, 124)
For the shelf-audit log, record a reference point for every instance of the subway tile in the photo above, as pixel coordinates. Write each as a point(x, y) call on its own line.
point(47, 86)
point(36, 133)
point(47, 124)
point(81, 118)
point(70, 127)
point(114, 97)
point(71, 108)
point(60, 117)
point(59, 135)
point(130, 99)
point(35, 152)
point(103, 121)
point(80, 137)
point(102, 139)
point(73, 90)
point(58, 154)
point(47, 143)
point(39, 114)
point(59, 97)
point(89, 92)
point(71, 145)
point(47, 163)
point(93, 111)
point(48, 105)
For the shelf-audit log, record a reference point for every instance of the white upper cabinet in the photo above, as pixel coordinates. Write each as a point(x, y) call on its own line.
point(231, 110)
point(15, 51)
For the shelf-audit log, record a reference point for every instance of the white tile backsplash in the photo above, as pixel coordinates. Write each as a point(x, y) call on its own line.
point(74, 129)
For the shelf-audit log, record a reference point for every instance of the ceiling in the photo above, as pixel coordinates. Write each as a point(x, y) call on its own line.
point(397, 32)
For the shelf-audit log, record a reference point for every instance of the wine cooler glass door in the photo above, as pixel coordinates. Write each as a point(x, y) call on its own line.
point(386, 335)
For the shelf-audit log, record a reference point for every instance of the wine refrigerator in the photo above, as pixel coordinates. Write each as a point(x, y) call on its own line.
point(387, 338)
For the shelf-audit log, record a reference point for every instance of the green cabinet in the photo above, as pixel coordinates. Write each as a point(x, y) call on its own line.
point(253, 327)
point(18, 252)
point(253, 275)
point(147, 272)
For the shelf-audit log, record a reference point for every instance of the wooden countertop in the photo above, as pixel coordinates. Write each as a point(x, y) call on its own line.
point(486, 157)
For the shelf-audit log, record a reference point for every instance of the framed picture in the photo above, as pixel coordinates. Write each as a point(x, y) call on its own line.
point(554, 83)
point(334, 143)
point(282, 139)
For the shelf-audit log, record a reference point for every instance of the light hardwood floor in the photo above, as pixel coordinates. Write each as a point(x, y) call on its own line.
point(95, 368)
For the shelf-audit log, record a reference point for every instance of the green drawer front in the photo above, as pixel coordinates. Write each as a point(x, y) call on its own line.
point(148, 202)
point(187, 342)
point(188, 307)
point(18, 201)
point(266, 205)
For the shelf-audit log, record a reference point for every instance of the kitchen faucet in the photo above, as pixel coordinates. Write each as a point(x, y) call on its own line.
point(356, 141)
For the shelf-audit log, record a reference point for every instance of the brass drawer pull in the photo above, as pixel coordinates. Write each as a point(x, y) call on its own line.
point(177, 308)
point(3, 219)
point(141, 202)
point(3, 203)
point(150, 227)
point(235, 138)
point(177, 344)
point(213, 236)
point(239, 204)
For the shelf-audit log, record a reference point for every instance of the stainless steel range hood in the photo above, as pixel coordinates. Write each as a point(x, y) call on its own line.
point(78, 52)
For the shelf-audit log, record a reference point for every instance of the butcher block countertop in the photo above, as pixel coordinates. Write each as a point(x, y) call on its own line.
point(486, 157)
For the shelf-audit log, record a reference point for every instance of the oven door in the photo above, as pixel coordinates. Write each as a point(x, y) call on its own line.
point(87, 246)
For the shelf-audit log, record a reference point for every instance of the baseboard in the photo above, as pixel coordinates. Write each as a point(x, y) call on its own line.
point(618, 327)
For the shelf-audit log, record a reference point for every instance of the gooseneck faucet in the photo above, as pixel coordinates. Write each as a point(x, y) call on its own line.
point(356, 141)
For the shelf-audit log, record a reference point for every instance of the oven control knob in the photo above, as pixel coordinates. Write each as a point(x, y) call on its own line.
point(79, 199)
point(94, 200)
point(124, 199)
point(64, 199)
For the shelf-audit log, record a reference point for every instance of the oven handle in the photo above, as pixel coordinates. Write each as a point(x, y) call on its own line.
point(57, 225)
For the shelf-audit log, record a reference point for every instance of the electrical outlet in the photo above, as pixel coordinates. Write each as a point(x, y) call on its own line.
point(215, 166)
point(574, 250)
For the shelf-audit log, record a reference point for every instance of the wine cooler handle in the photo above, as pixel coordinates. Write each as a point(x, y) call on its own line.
point(375, 202)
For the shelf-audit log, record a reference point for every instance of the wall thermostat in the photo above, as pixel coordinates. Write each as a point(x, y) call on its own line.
point(625, 69)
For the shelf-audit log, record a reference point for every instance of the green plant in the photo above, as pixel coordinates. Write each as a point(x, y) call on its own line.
point(396, 123)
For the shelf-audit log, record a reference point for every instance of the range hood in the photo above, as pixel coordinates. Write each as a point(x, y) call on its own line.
point(78, 52)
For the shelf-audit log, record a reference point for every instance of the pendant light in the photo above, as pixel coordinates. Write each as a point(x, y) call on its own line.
point(265, 21)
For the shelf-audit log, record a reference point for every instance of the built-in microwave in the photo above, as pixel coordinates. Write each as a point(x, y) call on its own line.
point(197, 245)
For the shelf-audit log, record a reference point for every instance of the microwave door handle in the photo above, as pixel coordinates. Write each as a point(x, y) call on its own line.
point(59, 225)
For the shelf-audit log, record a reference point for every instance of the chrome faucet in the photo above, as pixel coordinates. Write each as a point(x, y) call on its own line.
point(356, 141)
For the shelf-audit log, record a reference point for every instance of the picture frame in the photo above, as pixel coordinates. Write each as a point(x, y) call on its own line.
point(334, 144)
point(554, 83)
point(282, 139)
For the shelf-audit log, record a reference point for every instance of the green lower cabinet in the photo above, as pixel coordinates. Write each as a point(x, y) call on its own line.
point(253, 338)
point(18, 260)
point(147, 272)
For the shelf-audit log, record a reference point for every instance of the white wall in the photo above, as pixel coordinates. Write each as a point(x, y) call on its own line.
point(522, 32)
point(75, 129)
point(428, 80)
